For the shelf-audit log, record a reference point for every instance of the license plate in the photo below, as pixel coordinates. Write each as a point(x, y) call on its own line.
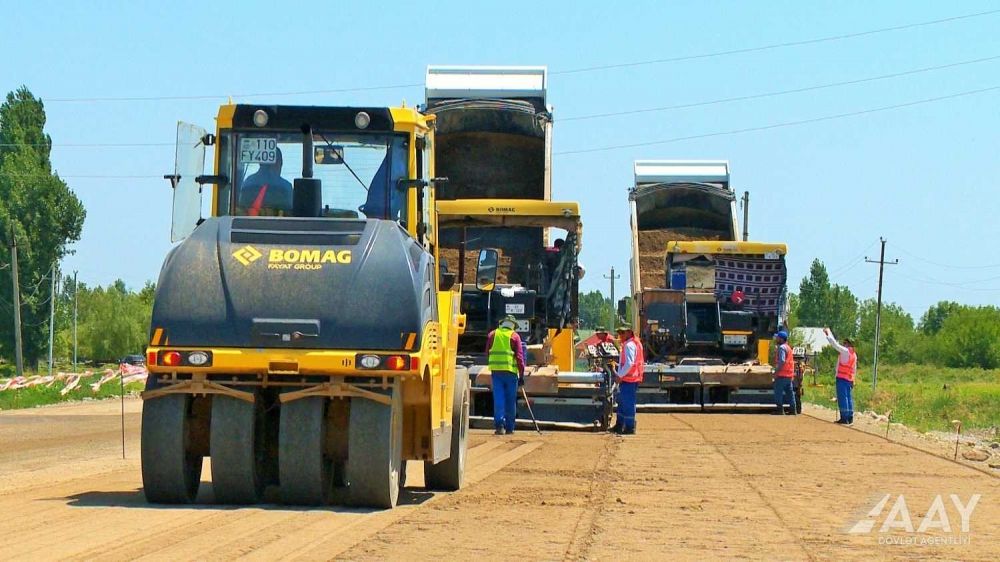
point(258, 150)
point(734, 339)
point(516, 308)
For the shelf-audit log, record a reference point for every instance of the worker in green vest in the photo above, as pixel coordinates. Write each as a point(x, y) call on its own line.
point(506, 361)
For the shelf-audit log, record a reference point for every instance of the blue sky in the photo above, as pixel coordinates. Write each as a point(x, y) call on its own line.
point(925, 176)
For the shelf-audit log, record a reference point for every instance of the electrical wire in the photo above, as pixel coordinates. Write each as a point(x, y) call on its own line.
point(916, 257)
point(218, 96)
point(773, 46)
point(779, 92)
point(783, 124)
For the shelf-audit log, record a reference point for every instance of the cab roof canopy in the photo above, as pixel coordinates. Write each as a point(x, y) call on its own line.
point(681, 171)
point(487, 82)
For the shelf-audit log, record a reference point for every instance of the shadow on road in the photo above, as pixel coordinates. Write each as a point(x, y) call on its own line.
point(204, 502)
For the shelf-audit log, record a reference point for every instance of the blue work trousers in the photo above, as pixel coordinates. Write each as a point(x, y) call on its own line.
point(782, 389)
point(504, 400)
point(626, 404)
point(845, 399)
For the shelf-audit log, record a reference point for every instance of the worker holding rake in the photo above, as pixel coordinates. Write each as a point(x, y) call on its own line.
point(506, 361)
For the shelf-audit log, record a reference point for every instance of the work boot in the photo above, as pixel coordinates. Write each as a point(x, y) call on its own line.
point(499, 431)
point(778, 412)
point(617, 428)
point(629, 430)
point(841, 422)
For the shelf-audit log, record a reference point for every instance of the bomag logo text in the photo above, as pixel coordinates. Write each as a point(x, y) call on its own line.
point(502, 210)
point(306, 260)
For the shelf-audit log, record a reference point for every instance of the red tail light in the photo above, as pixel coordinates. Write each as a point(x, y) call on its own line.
point(170, 358)
point(150, 358)
point(414, 363)
point(397, 363)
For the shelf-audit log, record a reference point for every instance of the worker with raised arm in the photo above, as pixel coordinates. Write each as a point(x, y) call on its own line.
point(629, 375)
point(784, 374)
point(847, 367)
point(506, 361)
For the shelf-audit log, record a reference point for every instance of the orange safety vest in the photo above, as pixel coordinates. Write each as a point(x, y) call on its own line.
point(638, 367)
point(847, 370)
point(788, 369)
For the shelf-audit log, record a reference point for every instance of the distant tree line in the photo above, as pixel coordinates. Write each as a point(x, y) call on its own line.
point(947, 334)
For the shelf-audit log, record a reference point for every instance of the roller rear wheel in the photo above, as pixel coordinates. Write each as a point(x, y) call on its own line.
point(236, 450)
point(449, 474)
point(305, 470)
point(375, 452)
point(171, 472)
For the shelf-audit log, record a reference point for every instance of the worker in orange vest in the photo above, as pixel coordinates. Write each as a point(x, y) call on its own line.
point(629, 375)
point(784, 374)
point(847, 367)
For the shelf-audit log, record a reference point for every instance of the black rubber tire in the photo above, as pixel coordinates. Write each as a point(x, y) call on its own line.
point(449, 474)
point(170, 472)
point(375, 452)
point(236, 448)
point(305, 472)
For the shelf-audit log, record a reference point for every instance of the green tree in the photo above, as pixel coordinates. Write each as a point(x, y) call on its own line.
point(821, 304)
point(40, 210)
point(896, 333)
point(595, 310)
point(970, 337)
point(933, 319)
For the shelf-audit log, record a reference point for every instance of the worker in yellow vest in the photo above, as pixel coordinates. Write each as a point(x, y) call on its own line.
point(847, 367)
point(506, 361)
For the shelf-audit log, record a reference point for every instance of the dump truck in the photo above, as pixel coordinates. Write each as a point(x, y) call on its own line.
point(302, 336)
point(494, 139)
point(704, 303)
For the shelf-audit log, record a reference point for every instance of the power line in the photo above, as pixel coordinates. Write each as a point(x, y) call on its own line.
point(840, 37)
point(86, 144)
point(84, 176)
point(783, 124)
point(601, 115)
point(772, 46)
point(912, 255)
point(217, 96)
point(780, 92)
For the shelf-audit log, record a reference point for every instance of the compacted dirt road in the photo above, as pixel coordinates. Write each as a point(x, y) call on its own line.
point(688, 486)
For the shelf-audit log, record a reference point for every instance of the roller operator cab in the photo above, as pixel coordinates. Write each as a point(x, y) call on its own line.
point(300, 335)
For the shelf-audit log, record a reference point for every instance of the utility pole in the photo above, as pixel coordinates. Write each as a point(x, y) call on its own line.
point(746, 215)
point(52, 316)
point(75, 291)
point(612, 277)
point(18, 359)
point(878, 307)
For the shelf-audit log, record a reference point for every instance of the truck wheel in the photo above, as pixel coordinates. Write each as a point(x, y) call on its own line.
point(375, 452)
point(305, 471)
point(236, 448)
point(449, 474)
point(171, 473)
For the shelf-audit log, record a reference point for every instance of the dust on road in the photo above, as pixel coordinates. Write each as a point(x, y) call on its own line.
point(688, 486)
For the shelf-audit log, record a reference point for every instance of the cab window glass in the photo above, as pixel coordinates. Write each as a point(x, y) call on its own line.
point(360, 173)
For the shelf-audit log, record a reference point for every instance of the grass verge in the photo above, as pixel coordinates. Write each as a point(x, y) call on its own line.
point(43, 395)
point(923, 397)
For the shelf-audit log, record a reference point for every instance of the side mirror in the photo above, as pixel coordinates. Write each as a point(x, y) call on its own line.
point(486, 270)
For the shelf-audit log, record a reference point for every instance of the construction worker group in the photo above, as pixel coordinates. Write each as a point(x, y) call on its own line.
point(507, 359)
point(506, 352)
